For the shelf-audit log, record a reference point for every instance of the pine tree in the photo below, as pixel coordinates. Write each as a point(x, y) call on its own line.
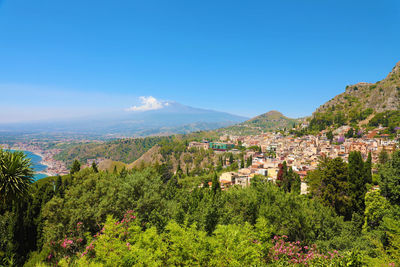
point(76, 167)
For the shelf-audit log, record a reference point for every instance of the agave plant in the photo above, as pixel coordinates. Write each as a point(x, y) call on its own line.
point(16, 174)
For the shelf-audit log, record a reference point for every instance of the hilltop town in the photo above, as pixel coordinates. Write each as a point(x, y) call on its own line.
point(300, 153)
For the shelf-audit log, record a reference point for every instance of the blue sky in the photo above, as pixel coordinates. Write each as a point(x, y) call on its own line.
point(69, 58)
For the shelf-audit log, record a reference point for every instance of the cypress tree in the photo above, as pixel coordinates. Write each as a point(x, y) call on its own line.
point(230, 158)
point(215, 184)
point(356, 178)
point(249, 161)
point(367, 169)
point(289, 180)
point(296, 184)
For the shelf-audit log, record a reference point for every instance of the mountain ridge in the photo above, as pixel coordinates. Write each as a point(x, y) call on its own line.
point(381, 96)
point(359, 102)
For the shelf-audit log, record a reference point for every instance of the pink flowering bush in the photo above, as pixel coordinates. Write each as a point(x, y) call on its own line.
point(286, 252)
point(68, 246)
point(112, 244)
point(76, 245)
point(125, 243)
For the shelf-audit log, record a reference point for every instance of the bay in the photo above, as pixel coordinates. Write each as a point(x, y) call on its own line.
point(36, 164)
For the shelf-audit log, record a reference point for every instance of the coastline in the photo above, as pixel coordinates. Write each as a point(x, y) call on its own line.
point(45, 163)
point(42, 161)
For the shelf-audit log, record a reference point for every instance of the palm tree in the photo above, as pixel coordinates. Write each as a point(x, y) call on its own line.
point(16, 174)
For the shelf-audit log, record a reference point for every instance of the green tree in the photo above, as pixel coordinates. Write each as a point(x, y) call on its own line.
point(59, 185)
point(249, 161)
point(165, 170)
point(179, 171)
point(295, 183)
point(329, 135)
point(232, 245)
point(357, 180)
point(368, 169)
point(216, 187)
point(124, 172)
point(94, 167)
point(390, 179)
point(16, 174)
point(383, 156)
point(76, 167)
point(230, 158)
point(350, 133)
point(329, 184)
point(376, 207)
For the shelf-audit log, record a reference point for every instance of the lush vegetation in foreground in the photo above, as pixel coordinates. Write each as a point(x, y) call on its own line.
point(151, 216)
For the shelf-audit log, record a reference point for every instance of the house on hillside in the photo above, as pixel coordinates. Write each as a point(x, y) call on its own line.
point(199, 145)
point(220, 146)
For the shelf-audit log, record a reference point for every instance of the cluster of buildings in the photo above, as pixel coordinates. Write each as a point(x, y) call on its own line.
point(302, 154)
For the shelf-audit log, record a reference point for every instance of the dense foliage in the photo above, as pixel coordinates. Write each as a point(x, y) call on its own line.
point(153, 216)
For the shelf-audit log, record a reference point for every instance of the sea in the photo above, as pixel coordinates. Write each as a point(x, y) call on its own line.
point(35, 159)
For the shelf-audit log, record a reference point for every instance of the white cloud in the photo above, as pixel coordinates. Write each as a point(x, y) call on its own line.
point(148, 103)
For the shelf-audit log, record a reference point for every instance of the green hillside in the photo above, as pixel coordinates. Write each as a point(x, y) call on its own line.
point(360, 103)
point(270, 121)
point(123, 150)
